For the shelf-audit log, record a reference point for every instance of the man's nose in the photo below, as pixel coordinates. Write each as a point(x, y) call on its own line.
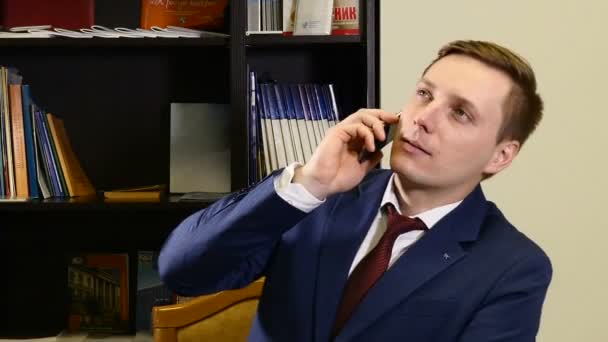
point(425, 118)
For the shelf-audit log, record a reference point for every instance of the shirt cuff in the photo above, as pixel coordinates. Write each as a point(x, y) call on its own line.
point(294, 193)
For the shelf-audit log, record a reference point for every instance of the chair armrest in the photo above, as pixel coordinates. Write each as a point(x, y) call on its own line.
point(180, 315)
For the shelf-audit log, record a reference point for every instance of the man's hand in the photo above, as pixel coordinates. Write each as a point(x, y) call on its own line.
point(335, 167)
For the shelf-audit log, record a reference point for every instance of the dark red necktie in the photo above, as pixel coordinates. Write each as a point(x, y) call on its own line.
point(374, 264)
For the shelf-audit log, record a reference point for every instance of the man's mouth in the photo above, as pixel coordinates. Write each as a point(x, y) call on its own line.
point(417, 145)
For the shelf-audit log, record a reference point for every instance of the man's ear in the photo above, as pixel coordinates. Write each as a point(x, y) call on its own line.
point(504, 153)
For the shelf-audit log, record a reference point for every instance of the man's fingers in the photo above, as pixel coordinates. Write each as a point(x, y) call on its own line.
point(360, 131)
point(375, 124)
point(375, 119)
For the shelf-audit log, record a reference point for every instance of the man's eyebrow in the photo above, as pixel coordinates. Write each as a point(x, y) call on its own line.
point(457, 98)
point(428, 83)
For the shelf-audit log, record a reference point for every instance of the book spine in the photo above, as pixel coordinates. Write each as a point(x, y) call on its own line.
point(29, 141)
point(63, 188)
point(2, 140)
point(268, 149)
point(305, 134)
point(9, 166)
point(48, 154)
point(288, 140)
point(41, 170)
point(21, 179)
point(293, 124)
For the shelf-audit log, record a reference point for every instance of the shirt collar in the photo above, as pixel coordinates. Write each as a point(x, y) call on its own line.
point(429, 217)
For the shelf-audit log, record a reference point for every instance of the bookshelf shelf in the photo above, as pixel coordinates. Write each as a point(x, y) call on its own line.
point(98, 204)
point(113, 42)
point(274, 40)
point(114, 96)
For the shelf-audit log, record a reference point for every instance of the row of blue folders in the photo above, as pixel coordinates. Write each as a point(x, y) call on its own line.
point(286, 123)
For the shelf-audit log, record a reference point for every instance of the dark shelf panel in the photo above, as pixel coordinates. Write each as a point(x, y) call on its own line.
point(76, 204)
point(112, 42)
point(260, 40)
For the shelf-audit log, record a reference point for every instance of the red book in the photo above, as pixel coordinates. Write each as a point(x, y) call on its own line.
point(68, 14)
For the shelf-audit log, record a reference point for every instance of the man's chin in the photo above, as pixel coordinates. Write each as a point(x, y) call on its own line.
point(410, 174)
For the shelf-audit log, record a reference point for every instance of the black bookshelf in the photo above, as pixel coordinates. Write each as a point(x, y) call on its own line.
point(114, 97)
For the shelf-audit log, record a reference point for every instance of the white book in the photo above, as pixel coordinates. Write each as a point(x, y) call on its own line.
point(313, 17)
point(289, 15)
point(293, 125)
point(275, 122)
point(200, 148)
point(314, 112)
point(267, 134)
point(35, 34)
point(288, 140)
point(254, 16)
point(311, 123)
point(316, 95)
point(300, 122)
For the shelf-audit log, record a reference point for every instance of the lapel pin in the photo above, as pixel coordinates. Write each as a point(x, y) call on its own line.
point(446, 256)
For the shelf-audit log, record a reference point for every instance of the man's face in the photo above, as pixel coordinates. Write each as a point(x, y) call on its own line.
point(447, 132)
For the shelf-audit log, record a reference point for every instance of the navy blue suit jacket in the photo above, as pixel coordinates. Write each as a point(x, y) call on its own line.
point(473, 277)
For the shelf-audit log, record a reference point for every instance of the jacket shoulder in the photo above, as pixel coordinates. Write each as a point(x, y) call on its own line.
point(507, 239)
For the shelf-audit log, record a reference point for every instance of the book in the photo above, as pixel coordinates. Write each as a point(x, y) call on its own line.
point(144, 194)
point(9, 76)
point(98, 292)
point(20, 160)
point(30, 147)
point(204, 15)
point(345, 17)
point(313, 17)
point(77, 182)
point(68, 14)
point(289, 16)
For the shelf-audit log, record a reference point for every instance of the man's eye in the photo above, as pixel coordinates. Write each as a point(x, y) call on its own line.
point(461, 115)
point(423, 93)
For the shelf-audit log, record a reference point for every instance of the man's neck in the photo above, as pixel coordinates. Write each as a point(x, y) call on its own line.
point(414, 200)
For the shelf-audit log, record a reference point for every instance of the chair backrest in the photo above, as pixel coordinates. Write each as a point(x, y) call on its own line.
point(224, 316)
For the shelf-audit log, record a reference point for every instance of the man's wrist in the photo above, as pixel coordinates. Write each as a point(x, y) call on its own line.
point(315, 189)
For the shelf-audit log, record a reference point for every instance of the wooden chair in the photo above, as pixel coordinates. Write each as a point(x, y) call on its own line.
point(224, 316)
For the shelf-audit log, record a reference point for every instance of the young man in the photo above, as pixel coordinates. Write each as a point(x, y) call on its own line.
point(415, 253)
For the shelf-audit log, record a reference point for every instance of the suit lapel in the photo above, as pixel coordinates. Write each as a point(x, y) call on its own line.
point(433, 253)
point(344, 231)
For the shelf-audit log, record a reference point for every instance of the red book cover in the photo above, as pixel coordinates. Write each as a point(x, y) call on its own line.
point(68, 14)
point(345, 17)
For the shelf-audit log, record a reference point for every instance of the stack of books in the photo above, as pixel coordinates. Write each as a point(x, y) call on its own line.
point(303, 17)
point(36, 156)
point(287, 123)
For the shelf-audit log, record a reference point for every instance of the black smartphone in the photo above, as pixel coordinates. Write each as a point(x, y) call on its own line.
point(389, 133)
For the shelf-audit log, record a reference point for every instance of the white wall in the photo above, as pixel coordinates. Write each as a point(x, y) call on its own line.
point(555, 192)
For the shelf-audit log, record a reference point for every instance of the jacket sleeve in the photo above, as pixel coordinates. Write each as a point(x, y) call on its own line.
point(512, 311)
point(227, 245)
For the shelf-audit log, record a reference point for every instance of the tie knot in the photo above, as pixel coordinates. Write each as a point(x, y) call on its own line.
point(398, 224)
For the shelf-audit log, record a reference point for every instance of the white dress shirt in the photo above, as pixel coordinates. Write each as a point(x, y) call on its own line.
point(297, 195)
